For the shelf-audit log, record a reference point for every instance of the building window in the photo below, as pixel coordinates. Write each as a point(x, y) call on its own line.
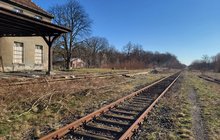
point(38, 54)
point(18, 53)
point(18, 10)
point(38, 17)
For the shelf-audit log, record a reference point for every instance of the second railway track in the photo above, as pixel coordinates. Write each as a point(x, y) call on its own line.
point(118, 120)
point(210, 79)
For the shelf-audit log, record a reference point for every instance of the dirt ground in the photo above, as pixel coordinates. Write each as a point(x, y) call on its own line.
point(34, 109)
point(198, 126)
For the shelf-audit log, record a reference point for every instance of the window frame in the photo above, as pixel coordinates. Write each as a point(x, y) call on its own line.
point(36, 58)
point(16, 60)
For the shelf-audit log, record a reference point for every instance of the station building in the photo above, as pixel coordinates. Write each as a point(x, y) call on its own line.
point(25, 52)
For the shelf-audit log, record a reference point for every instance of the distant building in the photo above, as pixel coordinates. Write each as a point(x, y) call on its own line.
point(77, 63)
point(74, 63)
point(24, 53)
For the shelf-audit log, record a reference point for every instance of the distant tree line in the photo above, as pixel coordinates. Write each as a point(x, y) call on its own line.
point(96, 51)
point(207, 63)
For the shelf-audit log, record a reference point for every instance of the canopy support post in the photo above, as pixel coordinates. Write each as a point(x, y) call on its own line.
point(49, 40)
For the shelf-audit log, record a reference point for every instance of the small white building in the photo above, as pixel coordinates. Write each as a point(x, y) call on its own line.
point(77, 63)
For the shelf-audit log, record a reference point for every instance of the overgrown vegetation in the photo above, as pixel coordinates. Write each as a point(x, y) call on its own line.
point(209, 96)
point(172, 117)
point(32, 110)
point(97, 53)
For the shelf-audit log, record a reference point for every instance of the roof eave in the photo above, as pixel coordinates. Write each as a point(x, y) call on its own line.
point(48, 15)
point(32, 23)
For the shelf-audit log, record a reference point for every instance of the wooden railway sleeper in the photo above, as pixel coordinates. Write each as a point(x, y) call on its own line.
point(142, 103)
point(142, 99)
point(97, 131)
point(118, 117)
point(134, 105)
point(135, 101)
point(124, 112)
point(102, 128)
point(129, 109)
point(91, 136)
point(112, 122)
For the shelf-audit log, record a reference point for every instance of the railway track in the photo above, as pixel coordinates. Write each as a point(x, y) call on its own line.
point(45, 80)
point(210, 79)
point(119, 120)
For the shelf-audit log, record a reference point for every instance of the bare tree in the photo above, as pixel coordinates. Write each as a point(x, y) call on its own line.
point(73, 16)
point(205, 59)
point(95, 49)
point(216, 62)
point(128, 49)
point(206, 63)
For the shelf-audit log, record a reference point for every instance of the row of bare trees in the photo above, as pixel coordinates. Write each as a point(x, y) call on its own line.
point(207, 63)
point(96, 51)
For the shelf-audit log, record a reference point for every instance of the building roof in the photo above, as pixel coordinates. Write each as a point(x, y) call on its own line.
point(17, 24)
point(29, 5)
point(75, 59)
point(72, 59)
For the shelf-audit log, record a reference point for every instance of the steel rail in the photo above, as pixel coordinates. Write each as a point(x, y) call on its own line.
point(128, 134)
point(210, 79)
point(66, 129)
point(59, 80)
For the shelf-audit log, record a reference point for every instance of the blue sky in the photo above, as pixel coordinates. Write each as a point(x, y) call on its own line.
point(185, 28)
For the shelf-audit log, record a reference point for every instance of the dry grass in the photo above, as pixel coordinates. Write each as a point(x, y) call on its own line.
point(171, 119)
point(214, 75)
point(209, 96)
point(31, 110)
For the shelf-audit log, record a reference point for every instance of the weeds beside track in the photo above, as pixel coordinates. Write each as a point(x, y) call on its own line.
point(120, 119)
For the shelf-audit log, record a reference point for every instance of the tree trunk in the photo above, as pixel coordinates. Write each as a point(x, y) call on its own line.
point(68, 64)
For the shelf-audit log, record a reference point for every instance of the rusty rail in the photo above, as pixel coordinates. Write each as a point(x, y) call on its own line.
point(63, 131)
point(135, 126)
point(42, 81)
point(210, 79)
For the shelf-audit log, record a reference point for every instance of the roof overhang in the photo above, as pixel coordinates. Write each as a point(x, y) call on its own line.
point(16, 24)
point(29, 8)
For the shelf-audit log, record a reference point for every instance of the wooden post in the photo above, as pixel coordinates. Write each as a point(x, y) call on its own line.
point(49, 40)
point(49, 60)
point(1, 60)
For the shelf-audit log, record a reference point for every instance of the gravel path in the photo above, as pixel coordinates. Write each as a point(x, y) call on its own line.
point(197, 121)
